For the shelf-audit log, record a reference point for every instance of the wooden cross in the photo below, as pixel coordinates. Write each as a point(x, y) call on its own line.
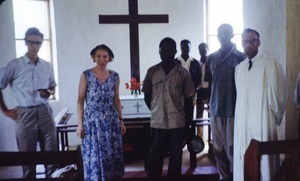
point(1, 1)
point(133, 19)
point(138, 107)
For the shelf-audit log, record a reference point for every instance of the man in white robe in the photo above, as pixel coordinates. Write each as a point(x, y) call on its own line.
point(260, 105)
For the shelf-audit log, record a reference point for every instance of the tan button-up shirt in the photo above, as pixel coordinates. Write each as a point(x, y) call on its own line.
point(167, 95)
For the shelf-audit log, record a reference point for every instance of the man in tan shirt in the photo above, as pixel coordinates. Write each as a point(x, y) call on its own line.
point(168, 89)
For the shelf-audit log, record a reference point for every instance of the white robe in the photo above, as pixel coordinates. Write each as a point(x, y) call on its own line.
point(260, 105)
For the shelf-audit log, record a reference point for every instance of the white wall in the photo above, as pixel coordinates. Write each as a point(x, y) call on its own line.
point(78, 31)
point(7, 52)
point(268, 17)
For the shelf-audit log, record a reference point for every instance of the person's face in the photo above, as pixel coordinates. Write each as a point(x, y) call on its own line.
point(33, 43)
point(202, 50)
point(250, 43)
point(185, 48)
point(101, 58)
point(167, 53)
point(225, 36)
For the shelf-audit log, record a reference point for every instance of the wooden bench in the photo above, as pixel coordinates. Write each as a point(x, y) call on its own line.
point(45, 157)
point(289, 169)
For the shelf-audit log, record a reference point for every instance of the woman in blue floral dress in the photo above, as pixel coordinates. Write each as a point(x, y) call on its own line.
point(100, 122)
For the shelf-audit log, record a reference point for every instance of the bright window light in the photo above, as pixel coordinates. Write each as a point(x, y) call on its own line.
point(35, 13)
point(32, 13)
point(224, 11)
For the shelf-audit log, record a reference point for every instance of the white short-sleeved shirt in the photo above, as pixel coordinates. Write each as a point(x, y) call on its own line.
point(26, 78)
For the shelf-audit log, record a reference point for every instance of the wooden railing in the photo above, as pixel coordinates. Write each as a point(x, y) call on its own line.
point(256, 149)
point(44, 157)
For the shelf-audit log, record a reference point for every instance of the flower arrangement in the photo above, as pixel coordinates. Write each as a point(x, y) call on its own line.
point(134, 86)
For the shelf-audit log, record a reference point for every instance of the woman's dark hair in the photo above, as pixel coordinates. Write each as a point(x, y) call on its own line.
point(105, 48)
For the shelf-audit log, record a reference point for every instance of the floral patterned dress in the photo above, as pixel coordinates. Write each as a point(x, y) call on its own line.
point(102, 142)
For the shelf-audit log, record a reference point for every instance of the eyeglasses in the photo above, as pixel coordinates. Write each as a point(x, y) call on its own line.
point(33, 42)
point(254, 41)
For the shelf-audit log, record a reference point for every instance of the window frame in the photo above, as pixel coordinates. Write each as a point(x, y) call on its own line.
point(47, 51)
point(211, 35)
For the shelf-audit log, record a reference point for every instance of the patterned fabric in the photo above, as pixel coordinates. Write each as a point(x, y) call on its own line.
point(102, 142)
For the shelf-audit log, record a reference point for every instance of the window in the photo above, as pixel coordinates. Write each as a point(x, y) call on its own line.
point(34, 13)
point(219, 12)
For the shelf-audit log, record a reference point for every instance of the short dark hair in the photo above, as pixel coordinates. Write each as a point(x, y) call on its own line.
point(105, 48)
point(225, 27)
point(203, 45)
point(33, 31)
point(168, 41)
point(185, 41)
point(249, 30)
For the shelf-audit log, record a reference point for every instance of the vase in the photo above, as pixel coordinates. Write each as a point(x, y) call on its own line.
point(135, 93)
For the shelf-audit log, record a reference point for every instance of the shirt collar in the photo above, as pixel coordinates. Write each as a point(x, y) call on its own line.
point(254, 59)
point(27, 60)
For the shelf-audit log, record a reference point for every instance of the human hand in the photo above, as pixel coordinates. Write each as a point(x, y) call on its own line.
point(187, 136)
point(12, 113)
point(80, 132)
point(123, 128)
point(44, 93)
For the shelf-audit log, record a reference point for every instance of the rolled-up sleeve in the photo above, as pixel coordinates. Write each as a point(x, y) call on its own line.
point(6, 74)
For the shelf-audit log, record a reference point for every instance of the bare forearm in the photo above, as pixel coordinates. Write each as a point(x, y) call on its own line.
point(118, 106)
point(80, 113)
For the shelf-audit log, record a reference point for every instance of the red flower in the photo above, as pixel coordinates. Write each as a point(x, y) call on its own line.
point(134, 84)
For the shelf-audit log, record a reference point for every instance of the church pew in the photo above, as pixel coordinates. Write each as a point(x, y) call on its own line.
point(256, 149)
point(45, 157)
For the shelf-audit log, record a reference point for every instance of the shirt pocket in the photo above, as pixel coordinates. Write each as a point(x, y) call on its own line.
point(175, 88)
point(157, 86)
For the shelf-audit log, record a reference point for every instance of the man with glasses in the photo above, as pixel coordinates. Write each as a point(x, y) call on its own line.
point(260, 105)
point(32, 82)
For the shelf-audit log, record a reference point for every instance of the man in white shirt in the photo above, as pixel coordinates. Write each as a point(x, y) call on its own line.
point(32, 82)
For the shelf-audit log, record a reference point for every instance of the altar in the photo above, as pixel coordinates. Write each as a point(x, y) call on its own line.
point(136, 117)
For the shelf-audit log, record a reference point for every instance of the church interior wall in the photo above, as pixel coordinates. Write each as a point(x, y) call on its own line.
point(292, 64)
point(78, 31)
point(7, 53)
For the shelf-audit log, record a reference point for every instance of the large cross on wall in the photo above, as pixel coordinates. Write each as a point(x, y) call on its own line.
point(133, 19)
